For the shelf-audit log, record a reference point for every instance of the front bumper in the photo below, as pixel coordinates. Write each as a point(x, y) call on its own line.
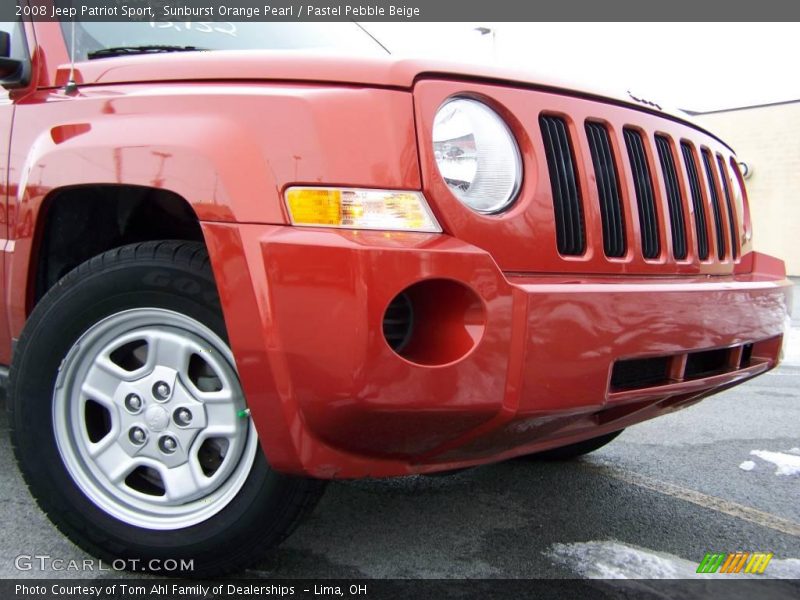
point(304, 310)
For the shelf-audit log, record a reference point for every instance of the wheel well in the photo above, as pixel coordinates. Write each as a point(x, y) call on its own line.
point(79, 223)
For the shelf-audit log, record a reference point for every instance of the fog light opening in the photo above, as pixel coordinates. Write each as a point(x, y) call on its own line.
point(434, 322)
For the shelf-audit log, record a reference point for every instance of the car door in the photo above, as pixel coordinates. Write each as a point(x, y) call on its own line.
point(18, 50)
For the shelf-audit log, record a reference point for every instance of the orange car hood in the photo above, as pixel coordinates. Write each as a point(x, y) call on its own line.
point(301, 66)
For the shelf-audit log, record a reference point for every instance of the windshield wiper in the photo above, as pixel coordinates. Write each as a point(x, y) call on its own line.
point(130, 50)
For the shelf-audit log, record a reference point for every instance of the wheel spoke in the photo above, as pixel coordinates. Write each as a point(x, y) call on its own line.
point(112, 460)
point(181, 483)
point(222, 416)
point(166, 349)
point(103, 398)
point(102, 380)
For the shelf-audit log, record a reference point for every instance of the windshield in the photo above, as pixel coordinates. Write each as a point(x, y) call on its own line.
point(340, 37)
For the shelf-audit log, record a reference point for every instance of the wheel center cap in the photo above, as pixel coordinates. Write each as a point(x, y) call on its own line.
point(157, 418)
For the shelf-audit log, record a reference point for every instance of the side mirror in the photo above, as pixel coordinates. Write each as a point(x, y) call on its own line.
point(8, 66)
point(13, 72)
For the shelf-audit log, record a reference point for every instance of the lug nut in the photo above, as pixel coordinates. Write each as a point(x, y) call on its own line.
point(133, 403)
point(161, 390)
point(183, 416)
point(137, 435)
point(168, 445)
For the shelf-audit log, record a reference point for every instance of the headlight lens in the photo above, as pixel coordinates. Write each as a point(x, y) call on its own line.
point(477, 155)
point(348, 208)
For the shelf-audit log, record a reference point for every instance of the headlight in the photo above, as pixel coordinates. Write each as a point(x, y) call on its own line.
point(477, 155)
point(350, 208)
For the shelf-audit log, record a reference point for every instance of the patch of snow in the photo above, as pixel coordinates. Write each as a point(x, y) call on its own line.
point(747, 465)
point(786, 464)
point(616, 560)
point(788, 568)
point(794, 450)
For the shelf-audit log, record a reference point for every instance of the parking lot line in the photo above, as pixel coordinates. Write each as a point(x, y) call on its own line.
point(733, 509)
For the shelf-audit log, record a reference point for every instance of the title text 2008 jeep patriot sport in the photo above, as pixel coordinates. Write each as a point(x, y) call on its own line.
point(230, 275)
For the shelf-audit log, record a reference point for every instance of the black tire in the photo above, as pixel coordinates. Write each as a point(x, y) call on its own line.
point(168, 275)
point(575, 450)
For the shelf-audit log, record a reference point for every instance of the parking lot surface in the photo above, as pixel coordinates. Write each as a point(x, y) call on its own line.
point(721, 476)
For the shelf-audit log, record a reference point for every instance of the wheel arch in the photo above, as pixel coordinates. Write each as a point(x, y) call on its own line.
point(76, 223)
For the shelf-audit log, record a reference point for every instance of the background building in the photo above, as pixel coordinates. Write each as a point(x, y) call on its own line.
point(767, 139)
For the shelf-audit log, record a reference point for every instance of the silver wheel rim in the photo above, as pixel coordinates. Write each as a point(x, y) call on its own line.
point(148, 418)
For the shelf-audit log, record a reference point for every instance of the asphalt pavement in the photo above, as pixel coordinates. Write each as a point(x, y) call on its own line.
point(716, 477)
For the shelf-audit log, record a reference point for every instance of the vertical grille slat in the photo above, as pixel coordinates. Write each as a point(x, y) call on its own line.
point(674, 197)
point(715, 204)
point(645, 197)
point(697, 201)
point(607, 176)
point(567, 201)
point(723, 174)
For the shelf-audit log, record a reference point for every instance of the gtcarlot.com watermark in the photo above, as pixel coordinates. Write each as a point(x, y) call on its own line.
point(45, 562)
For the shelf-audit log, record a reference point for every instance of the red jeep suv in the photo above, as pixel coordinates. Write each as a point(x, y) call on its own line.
point(239, 262)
